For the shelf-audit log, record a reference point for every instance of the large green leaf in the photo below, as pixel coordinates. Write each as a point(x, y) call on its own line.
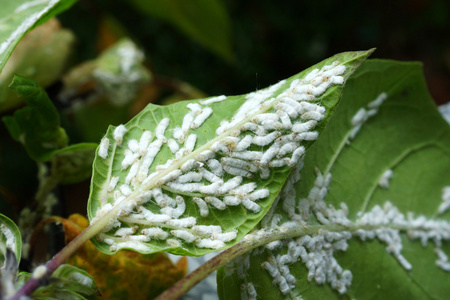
point(37, 125)
point(205, 21)
point(17, 17)
point(379, 227)
point(216, 157)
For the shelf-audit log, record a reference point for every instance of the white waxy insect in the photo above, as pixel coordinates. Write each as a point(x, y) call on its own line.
point(225, 237)
point(39, 272)
point(170, 177)
point(287, 109)
point(187, 122)
point(173, 145)
point(198, 121)
point(185, 187)
point(303, 97)
point(140, 238)
point(218, 146)
point(238, 163)
point(269, 154)
point(308, 136)
point(378, 101)
point(274, 245)
point(311, 75)
point(206, 230)
point(277, 163)
point(205, 155)
point(155, 232)
point(312, 115)
point(259, 194)
point(237, 171)
point(112, 183)
point(188, 165)
point(135, 245)
point(244, 189)
point(291, 103)
point(151, 217)
point(184, 235)
point(195, 107)
point(175, 212)
point(285, 119)
point(185, 222)
point(178, 134)
point(133, 172)
point(211, 177)
point(159, 197)
point(337, 80)
point(384, 180)
point(244, 143)
point(125, 190)
point(264, 172)
point(217, 203)
point(247, 155)
point(273, 270)
point(173, 243)
point(118, 134)
point(161, 129)
point(133, 145)
point(103, 148)
point(145, 139)
point(125, 231)
point(164, 166)
point(304, 126)
point(231, 200)
point(213, 100)
point(129, 158)
point(297, 154)
point(211, 244)
point(230, 184)
point(189, 177)
point(190, 142)
point(202, 206)
point(359, 117)
point(215, 166)
point(211, 189)
point(251, 206)
point(287, 148)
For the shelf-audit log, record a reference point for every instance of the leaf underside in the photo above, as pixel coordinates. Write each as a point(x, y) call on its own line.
point(388, 164)
point(196, 176)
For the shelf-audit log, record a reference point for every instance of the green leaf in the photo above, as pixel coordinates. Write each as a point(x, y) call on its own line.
point(9, 239)
point(67, 282)
point(37, 126)
point(205, 21)
point(17, 17)
point(153, 197)
point(376, 227)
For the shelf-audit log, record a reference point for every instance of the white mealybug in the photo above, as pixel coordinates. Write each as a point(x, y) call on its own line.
point(251, 206)
point(132, 173)
point(195, 107)
point(225, 237)
point(178, 134)
point(159, 197)
point(161, 129)
point(269, 154)
point(188, 165)
point(359, 117)
point(145, 139)
point(178, 211)
point(205, 155)
point(216, 202)
point(285, 119)
point(173, 243)
point(247, 155)
point(173, 145)
point(304, 126)
point(189, 177)
point(135, 245)
point(118, 134)
point(211, 177)
point(308, 136)
point(230, 184)
point(297, 154)
point(155, 232)
point(206, 230)
point(133, 145)
point(215, 166)
point(103, 148)
point(81, 279)
point(259, 194)
point(125, 190)
point(213, 100)
point(202, 206)
point(238, 163)
point(211, 189)
point(231, 200)
point(187, 121)
point(244, 189)
point(190, 142)
point(378, 101)
point(170, 177)
point(184, 235)
point(208, 243)
point(287, 148)
point(186, 222)
point(129, 158)
point(237, 171)
point(39, 272)
point(198, 121)
point(125, 231)
point(244, 143)
point(112, 183)
point(384, 180)
point(185, 187)
point(151, 217)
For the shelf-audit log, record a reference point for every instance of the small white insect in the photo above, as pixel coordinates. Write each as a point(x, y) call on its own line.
point(170, 177)
point(151, 217)
point(359, 117)
point(129, 158)
point(251, 206)
point(231, 200)
point(225, 237)
point(118, 134)
point(198, 121)
point(155, 232)
point(112, 183)
point(133, 145)
point(205, 155)
point(184, 235)
point(212, 188)
point(173, 243)
point(208, 243)
point(218, 146)
point(244, 143)
point(173, 145)
point(287, 148)
point(259, 194)
point(206, 230)
point(39, 272)
point(188, 165)
point(103, 148)
point(269, 154)
point(384, 179)
point(178, 134)
point(125, 190)
point(145, 139)
point(238, 163)
point(230, 184)
point(194, 107)
point(189, 177)
point(190, 142)
point(297, 154)
point(378, 101)
point(308, 136)
point(185, 187)
point(187, 122)
point(273, 270)
point(125, 231)
point(304, 126)
point(202, 206)
point(244, 189)
point(185, 222)
point(161, 129)
point(133, 172)
point(213, 100)
point(215, 166)
point(247, 155)
point(237, 171)
point(178, 211)
point(217, 203)
point(312, 115)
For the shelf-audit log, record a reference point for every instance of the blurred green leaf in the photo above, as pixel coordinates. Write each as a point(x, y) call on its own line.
point(10, 238)
point(205, 21)
point(36, 125)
